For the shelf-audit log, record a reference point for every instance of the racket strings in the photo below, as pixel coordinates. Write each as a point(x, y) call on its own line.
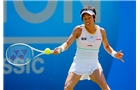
point(21, 54)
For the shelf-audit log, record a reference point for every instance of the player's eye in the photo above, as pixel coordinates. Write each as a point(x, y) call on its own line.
point(86, 18)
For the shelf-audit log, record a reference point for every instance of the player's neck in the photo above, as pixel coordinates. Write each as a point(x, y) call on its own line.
point(91, 29)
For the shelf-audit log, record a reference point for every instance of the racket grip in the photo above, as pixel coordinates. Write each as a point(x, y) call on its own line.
point(52, 51)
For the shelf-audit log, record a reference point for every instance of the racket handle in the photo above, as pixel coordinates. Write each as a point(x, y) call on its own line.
point(52, 51)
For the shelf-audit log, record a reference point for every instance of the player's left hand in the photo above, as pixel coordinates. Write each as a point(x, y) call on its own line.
point(119, 55)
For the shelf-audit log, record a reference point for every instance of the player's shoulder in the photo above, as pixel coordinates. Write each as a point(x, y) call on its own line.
point(78, 28)
point(102, 30)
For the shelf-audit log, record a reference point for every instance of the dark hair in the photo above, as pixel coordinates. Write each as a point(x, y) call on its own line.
point(88, 8)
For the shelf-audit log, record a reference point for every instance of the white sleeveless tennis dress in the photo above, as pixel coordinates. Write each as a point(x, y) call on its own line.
point(86, 57)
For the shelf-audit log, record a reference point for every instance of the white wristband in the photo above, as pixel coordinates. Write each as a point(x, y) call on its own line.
point(113, 53)
point(62, 48)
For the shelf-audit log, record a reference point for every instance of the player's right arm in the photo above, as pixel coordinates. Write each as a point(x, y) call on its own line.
point(75, 34)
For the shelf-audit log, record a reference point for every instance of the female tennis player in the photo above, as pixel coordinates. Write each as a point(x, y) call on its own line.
point(88, 37)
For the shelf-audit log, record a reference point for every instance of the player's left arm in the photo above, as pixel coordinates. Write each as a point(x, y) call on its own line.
point(108, 48)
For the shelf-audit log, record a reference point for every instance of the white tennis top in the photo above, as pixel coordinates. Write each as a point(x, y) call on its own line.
point(88, 45)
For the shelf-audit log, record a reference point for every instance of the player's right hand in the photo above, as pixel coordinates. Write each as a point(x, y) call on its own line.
point(56, 50)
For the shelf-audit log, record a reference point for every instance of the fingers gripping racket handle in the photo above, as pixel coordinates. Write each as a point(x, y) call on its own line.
point(49, 51)
point(52, 51)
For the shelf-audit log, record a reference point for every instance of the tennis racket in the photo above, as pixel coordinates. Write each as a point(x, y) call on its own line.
point(20, 54)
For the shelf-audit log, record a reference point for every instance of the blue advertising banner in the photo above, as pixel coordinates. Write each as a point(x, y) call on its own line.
point(42, 24)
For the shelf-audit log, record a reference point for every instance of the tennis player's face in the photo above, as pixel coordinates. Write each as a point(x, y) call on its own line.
point(88, 20)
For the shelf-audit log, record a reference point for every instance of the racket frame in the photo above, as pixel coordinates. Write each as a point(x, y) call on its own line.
point(41, 53)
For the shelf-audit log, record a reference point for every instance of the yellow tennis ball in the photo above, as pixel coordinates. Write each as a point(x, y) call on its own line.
point(47, 51)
